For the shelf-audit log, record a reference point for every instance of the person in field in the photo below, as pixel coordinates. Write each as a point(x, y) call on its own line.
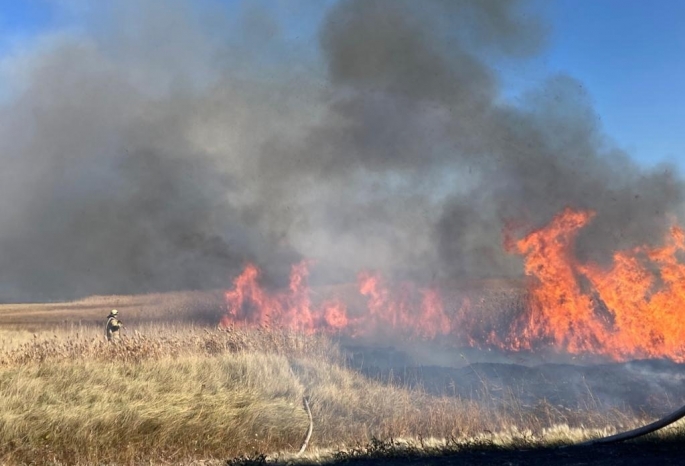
point(113, 326)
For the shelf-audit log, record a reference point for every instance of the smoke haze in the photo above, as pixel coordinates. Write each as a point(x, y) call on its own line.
point(162, 148)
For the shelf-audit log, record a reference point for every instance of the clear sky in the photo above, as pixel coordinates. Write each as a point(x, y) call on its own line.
point(628, 53)
point(23, 20)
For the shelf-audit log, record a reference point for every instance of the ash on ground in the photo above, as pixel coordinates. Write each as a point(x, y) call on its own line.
point(650, 387)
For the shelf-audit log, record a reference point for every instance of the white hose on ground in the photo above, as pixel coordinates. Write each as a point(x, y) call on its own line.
point(311, 426)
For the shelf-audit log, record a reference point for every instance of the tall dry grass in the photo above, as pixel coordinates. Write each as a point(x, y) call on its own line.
point(177, 393)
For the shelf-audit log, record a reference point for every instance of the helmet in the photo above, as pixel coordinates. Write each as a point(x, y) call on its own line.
point(114, 312)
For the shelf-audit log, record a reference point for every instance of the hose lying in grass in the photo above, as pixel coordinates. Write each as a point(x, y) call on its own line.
point(311, 426)
point(640, 431)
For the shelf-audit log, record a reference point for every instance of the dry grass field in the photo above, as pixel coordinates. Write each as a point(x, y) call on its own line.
point(199, 307)
point(172, 391)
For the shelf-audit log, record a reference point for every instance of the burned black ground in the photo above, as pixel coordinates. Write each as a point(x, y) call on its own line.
point(647, 387)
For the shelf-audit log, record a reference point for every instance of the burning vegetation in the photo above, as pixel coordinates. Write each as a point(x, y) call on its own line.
point(627, 310)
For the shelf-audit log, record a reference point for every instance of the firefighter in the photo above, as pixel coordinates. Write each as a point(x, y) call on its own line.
point(113, 326)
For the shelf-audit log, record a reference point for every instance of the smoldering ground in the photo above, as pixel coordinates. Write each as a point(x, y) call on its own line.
point(161, 147)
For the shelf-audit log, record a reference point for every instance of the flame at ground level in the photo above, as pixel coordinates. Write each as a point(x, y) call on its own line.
point(630, 310)
point(407, 309)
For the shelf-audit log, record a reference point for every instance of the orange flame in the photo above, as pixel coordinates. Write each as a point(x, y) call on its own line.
point(400, 312)
point(560, 313)
point(617, 312)
point(629, 310)
point(248, 304)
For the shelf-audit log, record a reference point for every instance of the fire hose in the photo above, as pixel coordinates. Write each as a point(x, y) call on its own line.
point(640, 431)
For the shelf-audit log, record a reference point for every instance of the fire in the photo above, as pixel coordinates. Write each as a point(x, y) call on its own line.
point(628, 310)
point(560, 313)
point(417, 313)
point(413, 312)
point(248, 304)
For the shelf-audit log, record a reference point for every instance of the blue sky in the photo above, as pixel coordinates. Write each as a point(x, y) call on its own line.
point(628, 53)
point(23, 20)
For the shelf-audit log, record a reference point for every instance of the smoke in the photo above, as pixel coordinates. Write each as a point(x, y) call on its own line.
point(165, 144)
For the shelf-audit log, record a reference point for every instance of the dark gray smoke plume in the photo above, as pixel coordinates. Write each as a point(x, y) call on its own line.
point(163, 148)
